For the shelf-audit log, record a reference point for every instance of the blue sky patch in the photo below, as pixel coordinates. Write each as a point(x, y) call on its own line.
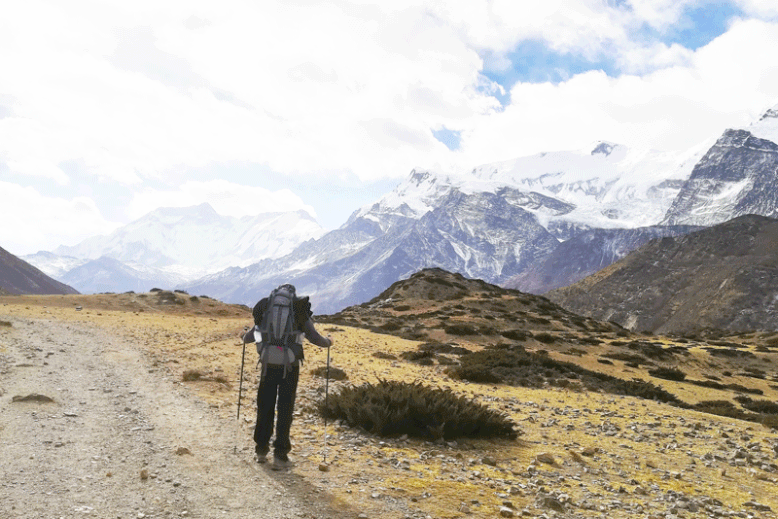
point(448, 137)
point(533, 61)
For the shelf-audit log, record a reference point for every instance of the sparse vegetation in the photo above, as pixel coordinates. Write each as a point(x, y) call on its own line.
point(668, 374)
point(391, 408)
point(515, 366)
point(335, 373)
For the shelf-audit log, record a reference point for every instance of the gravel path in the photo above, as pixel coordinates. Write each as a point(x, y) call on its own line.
point(121, 439)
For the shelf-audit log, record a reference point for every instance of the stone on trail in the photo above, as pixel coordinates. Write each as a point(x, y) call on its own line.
point(324, 467)
point(32, 397)
point(182, 451)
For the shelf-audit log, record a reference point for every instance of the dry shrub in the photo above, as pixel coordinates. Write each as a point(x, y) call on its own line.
point(393, 408)
point(334, 373)
point(649, 349)
point(668, 374)
point(5, 323)
point(384, 355)
point(724, 408)
point(758, 406)
point(418, 357)
point(515, 335)
point(545, 338)
point(632, 358)
point(192, 375)
point(460, 329)
point(437, 347)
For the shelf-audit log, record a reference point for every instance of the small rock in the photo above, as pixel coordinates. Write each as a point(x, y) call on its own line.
point(545, 457)
point(486, 460)
point(144, 474)
point(32, 397)
point(506, 512)
point(324, 467)
point(182, 451)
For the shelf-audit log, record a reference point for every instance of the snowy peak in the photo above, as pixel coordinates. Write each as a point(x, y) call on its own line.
point(767, 126)
point(199, 239)
point(737, 176)
point(603, 147)
point(604, 186)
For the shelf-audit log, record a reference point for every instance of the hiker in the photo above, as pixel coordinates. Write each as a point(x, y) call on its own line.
point(280, 321)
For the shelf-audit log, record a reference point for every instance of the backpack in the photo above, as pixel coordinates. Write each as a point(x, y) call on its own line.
point(281, 343)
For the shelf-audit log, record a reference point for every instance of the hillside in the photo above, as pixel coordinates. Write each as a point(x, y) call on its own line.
point(724, 277)
point(581, 452)
point(19, 277)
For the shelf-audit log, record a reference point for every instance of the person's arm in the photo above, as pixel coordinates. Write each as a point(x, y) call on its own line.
point(313, 336)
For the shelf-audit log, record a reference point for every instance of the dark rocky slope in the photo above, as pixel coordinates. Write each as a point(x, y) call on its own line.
point(19, 277)
point(724, 277)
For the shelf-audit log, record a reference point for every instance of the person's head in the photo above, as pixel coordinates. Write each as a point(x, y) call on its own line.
point(288, 287)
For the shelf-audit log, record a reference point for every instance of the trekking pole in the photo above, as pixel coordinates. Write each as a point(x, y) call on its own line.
point(326, 401)
point(240, 391)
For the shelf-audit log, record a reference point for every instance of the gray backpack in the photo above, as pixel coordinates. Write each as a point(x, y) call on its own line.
point(281, 343)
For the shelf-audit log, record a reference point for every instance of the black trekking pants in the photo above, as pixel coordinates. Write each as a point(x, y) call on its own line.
point(274, 389)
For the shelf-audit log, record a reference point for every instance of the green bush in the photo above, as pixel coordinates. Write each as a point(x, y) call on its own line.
point(392, 408)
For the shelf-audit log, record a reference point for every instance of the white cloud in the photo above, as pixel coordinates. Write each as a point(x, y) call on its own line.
point(227, 198)
point(136, 90)
point(35, 222)
point(673, 108)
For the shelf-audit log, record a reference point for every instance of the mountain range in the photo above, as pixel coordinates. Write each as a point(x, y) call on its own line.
point(534, 223)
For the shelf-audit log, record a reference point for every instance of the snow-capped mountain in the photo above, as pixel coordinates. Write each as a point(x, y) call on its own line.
point(495, 222)
point(605, 187)
point(507, 220)
point(52, 264)
point(482, 235)
point(737, 176)
point(492, 222)
point(200, 238)
point(170, 246)
point(109, 275)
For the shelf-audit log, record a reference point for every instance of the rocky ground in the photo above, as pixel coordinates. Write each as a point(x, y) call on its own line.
point(127, 436)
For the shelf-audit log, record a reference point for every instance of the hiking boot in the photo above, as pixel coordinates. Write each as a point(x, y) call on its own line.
point(261, 453)
point(280, 461)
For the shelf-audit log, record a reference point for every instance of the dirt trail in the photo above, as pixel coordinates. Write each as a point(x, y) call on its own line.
point(121, 439)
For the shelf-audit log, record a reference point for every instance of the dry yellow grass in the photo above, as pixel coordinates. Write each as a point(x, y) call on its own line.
point(568, 425)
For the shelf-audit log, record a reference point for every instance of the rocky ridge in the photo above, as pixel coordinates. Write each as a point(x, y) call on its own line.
point(724, 277)
point(19, 277)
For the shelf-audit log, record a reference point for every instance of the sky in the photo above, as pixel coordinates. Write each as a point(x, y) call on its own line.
point(110, 109)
